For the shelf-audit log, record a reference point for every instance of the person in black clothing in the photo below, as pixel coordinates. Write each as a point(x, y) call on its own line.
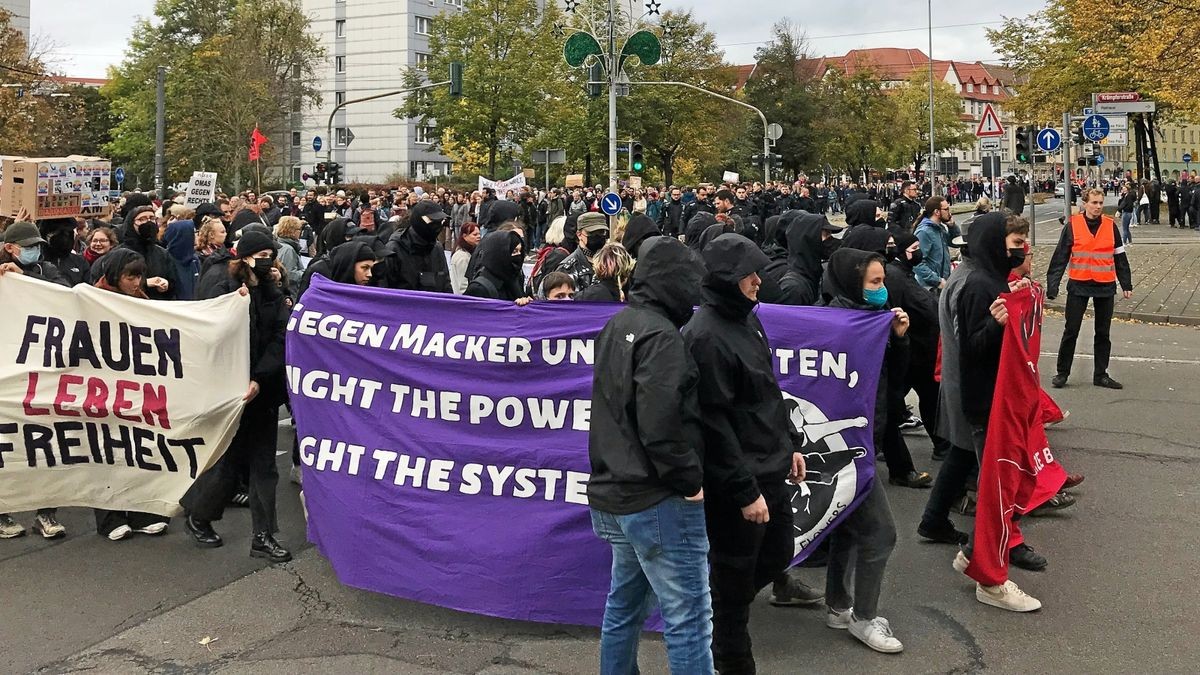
point(639, 230)
point(500, 257)
point(59, 250)
point(416, 260)
point(670, 217)
point(1173, 218)
point(807, 235)
point(862, 213)
point(923, 332)
point(905, 211)
point(748, 452)
point(252, 451)
point(775, 248)
point(646, 486)
point(696, 227)
point(352, 263)
point(702, 205)
point(613, 265)
point(855, 280)
point(140, 234)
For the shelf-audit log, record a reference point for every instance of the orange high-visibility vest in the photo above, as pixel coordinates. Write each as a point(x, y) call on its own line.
point(1092, 255)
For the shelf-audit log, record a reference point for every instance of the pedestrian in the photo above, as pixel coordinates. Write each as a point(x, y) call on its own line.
point(905, 211)
point(748, 453)
point(639, 230)
point(251, 454)
point(809, 238)
point(59, 249)
point(935, 232)
point(468, 239)
point(613, 265)
point(861, 545)
point(1094, 263)
point(1126, 205)
point(287, 234)
point(141, 236)
point(646, 487)
point(100, 241)
point(500, 255)
point(593, 235)
point(415, 259)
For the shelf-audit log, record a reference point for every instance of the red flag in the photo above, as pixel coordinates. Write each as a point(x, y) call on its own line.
point(256, 141)
point(1018, 472)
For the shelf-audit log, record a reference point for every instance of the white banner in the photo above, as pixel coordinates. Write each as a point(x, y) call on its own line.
point(502, 186)
point(201, 189)
point(114, 402)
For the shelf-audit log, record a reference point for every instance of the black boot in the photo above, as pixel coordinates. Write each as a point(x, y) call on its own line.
point(203, 533)
point(263, 545)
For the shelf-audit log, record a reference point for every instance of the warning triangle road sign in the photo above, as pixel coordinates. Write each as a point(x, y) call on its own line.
point(989, 125)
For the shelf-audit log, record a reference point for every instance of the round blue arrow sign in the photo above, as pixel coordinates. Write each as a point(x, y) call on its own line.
point(316, 143)
point(610, 205)
point(1049, 140)
point(1187, 158)
point(1100, 158)
point(1095, 128)
point(119, 175)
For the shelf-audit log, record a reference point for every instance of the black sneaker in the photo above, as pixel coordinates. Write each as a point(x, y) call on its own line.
point(1059, 381)
point(264, 545)
point(1107, 382)
point(1023, 556)
point(202, 532)
point(789, 591)
point(1061, 500)
point(946, 534)
point(911, 422)
point(912, 479)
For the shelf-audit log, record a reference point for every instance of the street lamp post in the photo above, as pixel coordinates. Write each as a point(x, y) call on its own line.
point(932, 164)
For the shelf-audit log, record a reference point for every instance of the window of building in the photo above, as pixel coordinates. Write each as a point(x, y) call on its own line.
point(295, 139)
point(296, 72)
point(339, 97)
point(422, 25)
point(339, 64)
point(423, 60)
point(454, 3)
point(296, 104)
point(296, 175)
point(426, 134)
point(340, 137)
point(971, 87)
point(340, 28)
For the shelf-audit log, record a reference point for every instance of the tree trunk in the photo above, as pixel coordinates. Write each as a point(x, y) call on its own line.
point(668, 167)
point(1153, 147)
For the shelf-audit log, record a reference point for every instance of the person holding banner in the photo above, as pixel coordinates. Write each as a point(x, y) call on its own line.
point(646, 487)
point(252, 451)
point(748, 453)
point(855, 280)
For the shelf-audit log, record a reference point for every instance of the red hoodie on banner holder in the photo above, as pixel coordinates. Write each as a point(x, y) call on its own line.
point(1018, 472)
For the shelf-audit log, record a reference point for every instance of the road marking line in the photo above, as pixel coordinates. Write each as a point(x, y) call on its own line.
point(1135, 359)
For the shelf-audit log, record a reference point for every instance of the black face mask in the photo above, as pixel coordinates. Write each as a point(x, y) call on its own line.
point(889, 253)
point(916, 257)
point(597, 240)
point(1016, 257)
point(148, 230)
point(829, 246)
point(517, 260)
point(262, 266)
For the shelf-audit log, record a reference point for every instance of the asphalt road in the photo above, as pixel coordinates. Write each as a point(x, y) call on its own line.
point(1120, 593)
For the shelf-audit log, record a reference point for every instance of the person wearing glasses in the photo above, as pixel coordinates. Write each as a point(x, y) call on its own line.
point(935, 232)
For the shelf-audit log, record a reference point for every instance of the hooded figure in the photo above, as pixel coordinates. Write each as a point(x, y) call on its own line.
point(775, 247)
point(416, 260)
point(862, 212)
point(748, 451)
point(979, 335)
point(499, 275)
point(639, 229)
point(345, 258)
point(159, 263)
point(801, 283)
point(180, 242)
point(133, 201)
point(337, 232)
point(59, 250)
point(571, 233)
point(696, 227)
point(111, 268)
point(871, 240)
point(711, 233)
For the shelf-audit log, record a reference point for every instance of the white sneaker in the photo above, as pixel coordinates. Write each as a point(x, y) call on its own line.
point(9, 528)
point(49, 527)
point(960, 563)
point(119, 533)
point(152, 529)
point(877, 634)
point(839, 620)
point(1007, 596)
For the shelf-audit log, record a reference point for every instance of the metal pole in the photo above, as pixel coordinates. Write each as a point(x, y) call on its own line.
point(160, 133)
point(1067, 172)
point(547, 151)
point(613, 62)
point(1032, 210)
point(329, 124)
point(932, 164)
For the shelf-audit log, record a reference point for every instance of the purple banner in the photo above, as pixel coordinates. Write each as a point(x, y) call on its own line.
point(444, 440)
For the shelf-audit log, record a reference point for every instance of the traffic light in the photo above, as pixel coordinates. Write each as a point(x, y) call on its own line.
point(1079, 139)
point(456, 80)
point(595, 75)
point(776, 160)
point(335, 173)
point(319, 172)
point(637, 159)
point(1023, 154)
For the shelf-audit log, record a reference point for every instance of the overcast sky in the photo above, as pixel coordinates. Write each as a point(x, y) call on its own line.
point(89, 35)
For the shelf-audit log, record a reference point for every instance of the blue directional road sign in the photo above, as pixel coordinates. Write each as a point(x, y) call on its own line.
point(610, 205)
point(1099, 158)
point(1095, 128)
point(119, 175)
point(1187, 158)
point(316, 143)
point(1049, 140)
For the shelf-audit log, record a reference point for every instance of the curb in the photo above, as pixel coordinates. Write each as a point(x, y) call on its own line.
point(1143, 317)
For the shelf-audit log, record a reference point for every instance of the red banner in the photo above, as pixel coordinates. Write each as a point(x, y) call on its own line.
point(256, 141)
point(1018, 472)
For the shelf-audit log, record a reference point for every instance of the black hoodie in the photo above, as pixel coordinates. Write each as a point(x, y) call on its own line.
point(801, 283)
point(916, 300)
point(416, 260)
point(979, 335)
point(499, 276)
point(696, 227)
point(645, 443)
point(159, 263)
point(344, 258)
point(59, 234)
point(744, 419)
point(639, 229)
point(775, 247)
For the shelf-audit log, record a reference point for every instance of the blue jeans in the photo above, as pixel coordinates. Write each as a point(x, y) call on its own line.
point(663, 552)
point(1126, 219)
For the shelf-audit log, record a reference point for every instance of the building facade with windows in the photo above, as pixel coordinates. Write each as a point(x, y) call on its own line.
point(19, 15)
point(369, 44)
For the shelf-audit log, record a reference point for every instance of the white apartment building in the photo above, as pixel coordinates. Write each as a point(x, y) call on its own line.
point(369, 44)
point(19, 9)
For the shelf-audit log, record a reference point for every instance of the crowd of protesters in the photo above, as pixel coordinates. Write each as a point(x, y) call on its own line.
point(718, 478)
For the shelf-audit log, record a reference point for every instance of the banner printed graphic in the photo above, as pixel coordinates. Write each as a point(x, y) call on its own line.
point(503, 186)
point(113, 402)
point(445, 452)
